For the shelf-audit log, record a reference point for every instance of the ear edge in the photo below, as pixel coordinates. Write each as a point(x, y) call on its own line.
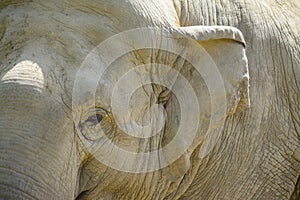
point(202, 33)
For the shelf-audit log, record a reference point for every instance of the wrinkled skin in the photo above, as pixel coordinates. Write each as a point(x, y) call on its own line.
point(42, 155)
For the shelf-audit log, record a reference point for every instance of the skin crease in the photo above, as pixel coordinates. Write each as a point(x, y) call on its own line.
point(44, 42)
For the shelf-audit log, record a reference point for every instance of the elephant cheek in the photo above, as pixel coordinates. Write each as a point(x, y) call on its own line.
point(177, 169)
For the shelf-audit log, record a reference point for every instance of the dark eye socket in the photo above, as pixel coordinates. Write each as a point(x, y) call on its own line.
point(98, 117)
point(95, 118)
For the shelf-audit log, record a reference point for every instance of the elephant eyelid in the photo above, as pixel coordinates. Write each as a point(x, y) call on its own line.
point(101, 111)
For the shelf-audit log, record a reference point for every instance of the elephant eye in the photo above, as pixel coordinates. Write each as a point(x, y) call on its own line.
point(96, 122)
point(95, 119)
point(98, 117)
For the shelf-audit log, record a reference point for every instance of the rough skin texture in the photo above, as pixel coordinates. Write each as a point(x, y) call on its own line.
point(42, 45)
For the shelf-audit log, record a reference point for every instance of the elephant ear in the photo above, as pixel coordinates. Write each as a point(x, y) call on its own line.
point(226, 47)
point(206, 33)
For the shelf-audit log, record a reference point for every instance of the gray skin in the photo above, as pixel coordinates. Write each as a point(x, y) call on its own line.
point(42, 155)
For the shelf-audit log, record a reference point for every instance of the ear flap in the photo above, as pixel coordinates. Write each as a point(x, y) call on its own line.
point(226, 48)
point(205, 33)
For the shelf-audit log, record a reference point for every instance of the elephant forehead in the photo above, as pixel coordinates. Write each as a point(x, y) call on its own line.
point(116, 16)
point(139, 11)
point(143, 87)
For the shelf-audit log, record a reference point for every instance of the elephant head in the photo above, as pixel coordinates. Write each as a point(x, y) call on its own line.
point(148, 100)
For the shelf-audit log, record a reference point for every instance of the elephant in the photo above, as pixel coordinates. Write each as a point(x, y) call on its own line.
point(228, 70)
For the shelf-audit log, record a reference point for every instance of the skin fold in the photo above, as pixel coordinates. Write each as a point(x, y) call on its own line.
point(43, 152)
